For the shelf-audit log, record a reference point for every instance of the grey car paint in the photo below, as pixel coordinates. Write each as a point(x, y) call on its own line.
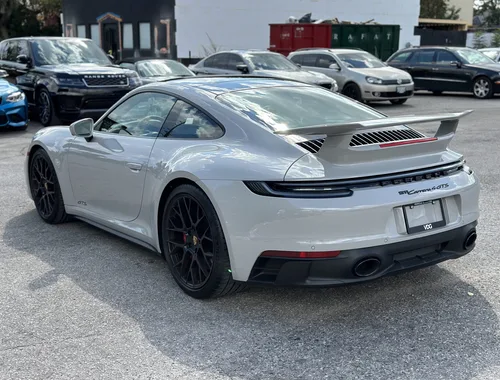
point(344, 74)
point(305, 76)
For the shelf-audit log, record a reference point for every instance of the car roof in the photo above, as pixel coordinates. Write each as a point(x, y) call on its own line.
point(138, 59)
point(327, 50)
point(247, 51)
point(218, 85)
point(46, 38)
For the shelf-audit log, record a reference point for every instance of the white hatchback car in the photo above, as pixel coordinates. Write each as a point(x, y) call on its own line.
point(359, 74)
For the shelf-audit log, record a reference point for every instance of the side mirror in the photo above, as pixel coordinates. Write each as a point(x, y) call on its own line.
point(3, 74)
point(111, 57)
point(83, 128)
point(456, 64)
point(298, 65)
point(334, 66)
point(23, 59)
point(242, 68)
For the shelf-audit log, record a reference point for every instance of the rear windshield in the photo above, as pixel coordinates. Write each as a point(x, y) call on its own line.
point(282, 108)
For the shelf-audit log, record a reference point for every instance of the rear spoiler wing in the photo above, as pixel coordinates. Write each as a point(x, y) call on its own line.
point(449, 123)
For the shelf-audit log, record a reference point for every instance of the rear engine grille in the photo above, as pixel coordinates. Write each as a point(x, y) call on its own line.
point(384, 136)
point(395, 81)
point(117, 80)
point(312, 146)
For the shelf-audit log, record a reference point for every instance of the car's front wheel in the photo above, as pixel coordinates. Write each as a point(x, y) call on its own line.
point(194, 245)
point(353, 91)
point(45, 189)
point(45, 107)
point(482, 88)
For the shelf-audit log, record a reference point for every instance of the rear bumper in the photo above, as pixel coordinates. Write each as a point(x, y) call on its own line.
point(391, 259)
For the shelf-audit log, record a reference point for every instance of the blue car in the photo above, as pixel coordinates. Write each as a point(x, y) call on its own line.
point(13, 105)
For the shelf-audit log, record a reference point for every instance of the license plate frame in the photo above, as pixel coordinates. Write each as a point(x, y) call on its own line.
point(429, 226)
point(401, 89)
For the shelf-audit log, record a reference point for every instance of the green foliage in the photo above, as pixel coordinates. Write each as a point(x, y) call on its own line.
point(439, 9)
point(479, 42)
point(490, 9)
point(495, 42)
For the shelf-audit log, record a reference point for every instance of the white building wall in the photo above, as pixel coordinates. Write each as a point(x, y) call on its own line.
point(466, 9)
point(244, 24)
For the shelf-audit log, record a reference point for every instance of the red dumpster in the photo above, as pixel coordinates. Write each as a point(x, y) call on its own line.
point(286, 38)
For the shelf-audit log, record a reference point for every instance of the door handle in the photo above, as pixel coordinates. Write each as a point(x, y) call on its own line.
point(435, 69)
point(134, 166)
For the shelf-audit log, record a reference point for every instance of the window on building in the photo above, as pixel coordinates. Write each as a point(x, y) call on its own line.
point(128, 36)
point(95, 34)
point(144, 35)
point(80, 31)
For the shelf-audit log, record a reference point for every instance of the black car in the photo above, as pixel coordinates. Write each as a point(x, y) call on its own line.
point(156, 69)
point(454, 69)
point(65, 78)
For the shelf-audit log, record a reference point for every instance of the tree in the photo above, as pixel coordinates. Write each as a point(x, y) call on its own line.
point(495, 42)
point(479, 40)
point(490, 10)
point(438, 9)
point(7, 7)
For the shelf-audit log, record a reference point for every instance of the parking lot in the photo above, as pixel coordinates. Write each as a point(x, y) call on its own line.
point(77, 302)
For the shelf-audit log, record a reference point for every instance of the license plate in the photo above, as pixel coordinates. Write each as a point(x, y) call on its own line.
point(424, 216)
point(401, 90)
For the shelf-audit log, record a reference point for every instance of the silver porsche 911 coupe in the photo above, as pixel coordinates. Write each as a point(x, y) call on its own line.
point(238, 180)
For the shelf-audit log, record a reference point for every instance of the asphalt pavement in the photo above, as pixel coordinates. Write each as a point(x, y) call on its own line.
point(79, 303)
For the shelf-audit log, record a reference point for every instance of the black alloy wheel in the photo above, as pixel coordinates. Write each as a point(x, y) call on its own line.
point(352, 91)
point(45, 107)
point(45, 189)
point(194, 245)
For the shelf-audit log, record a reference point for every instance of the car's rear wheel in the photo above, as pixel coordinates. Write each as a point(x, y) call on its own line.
point(482, 88)
point(194, 245)
point(45, 189)
point(353, 91)
point(399, 101)
point(45, 107)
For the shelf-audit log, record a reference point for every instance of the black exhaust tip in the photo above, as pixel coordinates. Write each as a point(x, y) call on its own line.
point(367, 267)
point(470, 240)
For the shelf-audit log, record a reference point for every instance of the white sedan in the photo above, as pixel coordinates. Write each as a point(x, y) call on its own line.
point(239, 180)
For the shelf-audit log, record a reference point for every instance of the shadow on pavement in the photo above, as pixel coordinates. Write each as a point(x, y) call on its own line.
point(421, 325)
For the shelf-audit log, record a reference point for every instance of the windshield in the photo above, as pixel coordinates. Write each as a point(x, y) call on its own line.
point(162, 68)
point(360, 60)
point(294, 107)
point(263, 61)
point(490, 53)
point(62, 52)
point(473, 57)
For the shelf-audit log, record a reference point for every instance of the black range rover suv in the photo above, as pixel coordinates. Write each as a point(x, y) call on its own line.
point(65, 78)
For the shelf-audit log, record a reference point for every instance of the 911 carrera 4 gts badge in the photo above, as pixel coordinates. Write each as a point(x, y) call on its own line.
point(412, 192)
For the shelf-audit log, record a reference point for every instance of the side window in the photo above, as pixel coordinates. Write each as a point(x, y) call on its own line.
point(297, 59)
point(23, 48)
point(309, 59)
point(12, 51)
point(188, 122)
point(423, 57)
point(445, 57)
point(217, 61)
point(233, 61)
point(141, 115)
point(3, 50)
point(402, 57)
point(325, 61)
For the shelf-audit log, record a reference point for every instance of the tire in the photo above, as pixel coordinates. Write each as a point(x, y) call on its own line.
point(194, 245)
point(482, 88)
point(45, 107)
point(45, 189)
point(352, 91)
point(399, 101)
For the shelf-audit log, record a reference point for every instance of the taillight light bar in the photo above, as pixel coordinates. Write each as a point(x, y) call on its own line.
point(300, 255)
point(407, 142)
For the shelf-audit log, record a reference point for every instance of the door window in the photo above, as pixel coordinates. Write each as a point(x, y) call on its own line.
point(3, 51)
point(12, 51)
point(141, 115)
point(233, 61)
point(297, 59)
point(23, 48)
point(445, 57)
point(423, 57)
point(217, 61)
point(309, 60)
point(325, 61)
point(401, 58)
point(188, 122)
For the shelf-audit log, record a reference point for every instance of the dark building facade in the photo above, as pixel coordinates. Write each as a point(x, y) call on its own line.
point(124, 28)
